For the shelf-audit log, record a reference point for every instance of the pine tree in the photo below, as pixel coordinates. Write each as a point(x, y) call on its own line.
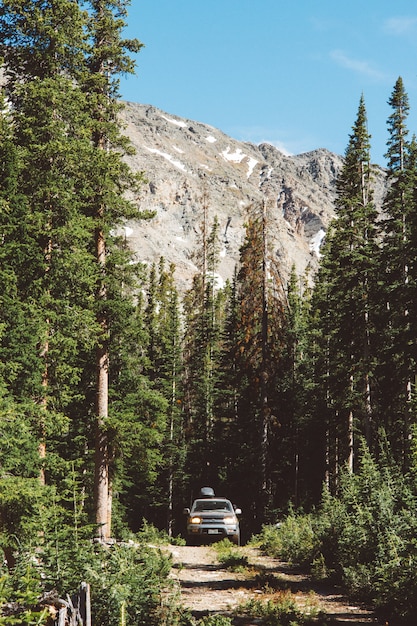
point(42, 49)
point(397, 141)
point(299, 444)
point(15, 352)
point(396, 286)
point(164, 368)
point(344, 304)
point(109, 56)
point(61, 67)
point(203, 309)
point(256, 359)
point(169, 367)
point(411, 255)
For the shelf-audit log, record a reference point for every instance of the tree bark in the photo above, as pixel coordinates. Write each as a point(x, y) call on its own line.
point(101, 480)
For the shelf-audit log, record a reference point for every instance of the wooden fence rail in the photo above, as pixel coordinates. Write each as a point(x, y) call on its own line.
point(75, 610)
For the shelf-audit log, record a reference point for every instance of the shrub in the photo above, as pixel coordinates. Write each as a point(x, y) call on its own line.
point(269, 540)
point(282, 610)
point(215, 620)
point(230, 556)
point(294, 540)
point(364, 538)
point(129, 580)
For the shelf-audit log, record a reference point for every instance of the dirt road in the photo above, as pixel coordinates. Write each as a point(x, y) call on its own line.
point(209, 588)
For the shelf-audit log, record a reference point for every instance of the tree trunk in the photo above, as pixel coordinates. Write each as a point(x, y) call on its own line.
point(101, 480)
point(264, 374)
point(351, 443)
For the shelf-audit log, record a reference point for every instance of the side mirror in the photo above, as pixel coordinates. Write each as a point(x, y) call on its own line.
point(186, 511)
point(238, 511)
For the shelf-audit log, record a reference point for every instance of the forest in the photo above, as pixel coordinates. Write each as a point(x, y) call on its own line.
point(120, 396)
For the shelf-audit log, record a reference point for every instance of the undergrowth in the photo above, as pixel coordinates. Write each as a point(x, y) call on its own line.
point(230, 556)
point(363, 538)
point(281, 610)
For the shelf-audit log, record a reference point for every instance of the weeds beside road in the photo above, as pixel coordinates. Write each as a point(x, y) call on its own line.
point(243, 586)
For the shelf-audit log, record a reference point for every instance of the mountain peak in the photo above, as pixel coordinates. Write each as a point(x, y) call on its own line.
point(185, 160)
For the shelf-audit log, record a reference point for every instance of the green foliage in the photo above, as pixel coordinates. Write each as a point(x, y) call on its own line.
point(282, 610)
point(125, 579)
point(129, 579)
point(230, 556)
point(24, 608)
point(364, 538)
point(19, 502)
point(18, 449)
point(151, 535)
point(214, 620)
point(293, 540)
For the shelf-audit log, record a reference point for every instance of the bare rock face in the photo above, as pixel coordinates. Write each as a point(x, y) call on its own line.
point(189, 165)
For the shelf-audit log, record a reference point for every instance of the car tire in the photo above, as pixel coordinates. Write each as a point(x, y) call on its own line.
point(236, 539)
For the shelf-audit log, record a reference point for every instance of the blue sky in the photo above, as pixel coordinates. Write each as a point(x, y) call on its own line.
point(287, 72)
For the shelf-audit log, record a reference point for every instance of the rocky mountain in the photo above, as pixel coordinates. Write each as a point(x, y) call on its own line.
point(189, 165)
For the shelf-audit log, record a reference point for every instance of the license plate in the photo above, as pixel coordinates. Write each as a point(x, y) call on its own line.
point(213, 531)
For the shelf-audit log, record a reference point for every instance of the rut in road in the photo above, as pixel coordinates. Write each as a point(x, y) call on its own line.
point(208, 588)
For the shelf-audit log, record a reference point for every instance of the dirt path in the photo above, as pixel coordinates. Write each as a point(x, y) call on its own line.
point(208, 588)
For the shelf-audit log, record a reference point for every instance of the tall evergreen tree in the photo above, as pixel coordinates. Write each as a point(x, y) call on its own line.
point(299, 443)
point(108, 57)
point(256, 359)
point(61, 66)
point(344, 305)
point(203, 310)
point(166, 367)
point(16, 354)
point(396, 360)
point(43, 50)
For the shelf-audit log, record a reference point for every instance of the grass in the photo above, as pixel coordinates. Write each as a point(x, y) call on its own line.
point(276, 605)
point(230, 556)
point(281, 609)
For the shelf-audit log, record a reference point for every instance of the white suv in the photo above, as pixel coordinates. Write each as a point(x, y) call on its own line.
point(212, 519)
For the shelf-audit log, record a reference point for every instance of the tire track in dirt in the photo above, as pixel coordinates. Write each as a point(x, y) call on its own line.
point(208, 588)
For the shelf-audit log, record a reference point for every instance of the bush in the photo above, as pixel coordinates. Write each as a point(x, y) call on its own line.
point(365, 538)
point(51, 554)
point(269, 540)
point(294, 540)
point(215, 620)
point(230, 556)
point(282, 610)
point(129, 580)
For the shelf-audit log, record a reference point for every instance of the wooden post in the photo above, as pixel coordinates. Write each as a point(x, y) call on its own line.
point(62, 616)
point(85, 604)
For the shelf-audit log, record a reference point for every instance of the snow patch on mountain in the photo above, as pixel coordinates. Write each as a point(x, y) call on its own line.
point(181, 124)
point(236, 157)
point(251, 166)
point(316, 241)
point(168, 157)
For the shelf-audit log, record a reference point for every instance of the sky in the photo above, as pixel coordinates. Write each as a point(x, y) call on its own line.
point(287, 72)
